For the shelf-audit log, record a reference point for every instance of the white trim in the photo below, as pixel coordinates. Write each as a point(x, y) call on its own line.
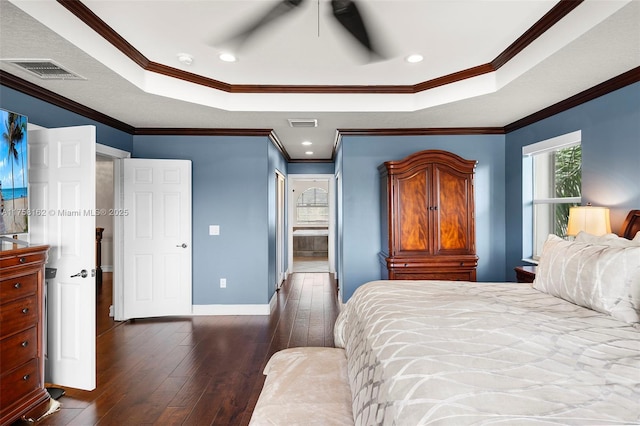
point(331, 181)
point(111, 152)
point(562, 141)
point(281, 228)
point(264, 309)
point(557, 200)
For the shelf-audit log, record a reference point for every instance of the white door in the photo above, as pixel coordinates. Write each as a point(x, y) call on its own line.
point(279, 229)
point(157, 237)
point(62, 199)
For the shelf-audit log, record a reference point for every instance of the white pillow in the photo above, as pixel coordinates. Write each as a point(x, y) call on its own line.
point(611, 240)
point(600, 277)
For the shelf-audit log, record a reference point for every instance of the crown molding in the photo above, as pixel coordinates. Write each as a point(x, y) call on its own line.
point(197, 131)
point(28, 88)
point(615, 83)
point(424, 131)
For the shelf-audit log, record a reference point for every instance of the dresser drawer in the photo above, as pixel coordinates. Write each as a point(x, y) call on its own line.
point(18, 287)
point(18, 315)
point(17, 383)
point(23, 259)
point(18, 349)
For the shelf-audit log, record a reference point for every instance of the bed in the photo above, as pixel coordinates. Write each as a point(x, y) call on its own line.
point(565, 350)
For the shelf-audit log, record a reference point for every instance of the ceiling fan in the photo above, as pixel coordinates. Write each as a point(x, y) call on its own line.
point(346, 12)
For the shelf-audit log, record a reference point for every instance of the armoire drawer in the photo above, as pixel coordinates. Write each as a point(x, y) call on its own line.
point(442, 276)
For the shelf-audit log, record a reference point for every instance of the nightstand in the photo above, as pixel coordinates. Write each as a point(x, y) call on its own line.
point(525, 274)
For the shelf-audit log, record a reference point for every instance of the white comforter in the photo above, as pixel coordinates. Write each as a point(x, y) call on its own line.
point(442, 352)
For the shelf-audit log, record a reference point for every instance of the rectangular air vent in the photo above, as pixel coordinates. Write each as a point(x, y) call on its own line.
point(303, 122)
point(45, 69)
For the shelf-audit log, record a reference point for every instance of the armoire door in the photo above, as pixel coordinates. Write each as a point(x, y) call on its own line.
point(453, 211)
point(412, 213)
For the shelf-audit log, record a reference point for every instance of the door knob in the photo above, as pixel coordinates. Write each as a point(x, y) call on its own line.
point(183, 245)
point(82, 274)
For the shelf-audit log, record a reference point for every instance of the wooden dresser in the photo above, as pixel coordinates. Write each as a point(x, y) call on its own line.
point(22, 394)
point(428, 217)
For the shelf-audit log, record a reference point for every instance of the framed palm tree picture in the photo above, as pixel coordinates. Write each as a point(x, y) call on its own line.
point(13, 174)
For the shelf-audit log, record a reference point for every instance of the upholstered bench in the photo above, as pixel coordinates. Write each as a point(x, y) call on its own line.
point(305, 386)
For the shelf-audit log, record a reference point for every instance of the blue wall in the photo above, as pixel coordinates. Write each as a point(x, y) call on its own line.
point(47, 115)
point(233, 183)
point(359, 188)
point(234, 187)
point(610, 128)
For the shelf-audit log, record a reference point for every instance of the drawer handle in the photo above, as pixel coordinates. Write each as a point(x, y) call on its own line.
point(17, 285)
point(24, 344)
point(23, 259)
point(26, 377)
point(25, 310)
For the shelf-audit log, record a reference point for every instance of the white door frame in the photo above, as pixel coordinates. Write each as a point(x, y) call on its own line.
point(281, 194)
point(116, 154)
point(332, 217)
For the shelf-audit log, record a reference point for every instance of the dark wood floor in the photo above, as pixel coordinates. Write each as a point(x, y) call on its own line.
point(198, 370)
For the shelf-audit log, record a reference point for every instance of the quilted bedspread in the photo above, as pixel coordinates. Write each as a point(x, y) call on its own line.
point(459, 353)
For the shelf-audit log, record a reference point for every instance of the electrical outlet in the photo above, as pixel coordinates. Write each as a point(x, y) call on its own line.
point(223, 283)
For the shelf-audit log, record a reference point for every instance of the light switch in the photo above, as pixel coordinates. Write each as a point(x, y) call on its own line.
point(214, 229)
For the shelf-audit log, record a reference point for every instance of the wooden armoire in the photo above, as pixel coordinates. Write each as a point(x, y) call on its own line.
point(428, 217)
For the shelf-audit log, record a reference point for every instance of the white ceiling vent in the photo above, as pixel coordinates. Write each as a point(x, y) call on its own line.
point(303, 122)
point(45, 69)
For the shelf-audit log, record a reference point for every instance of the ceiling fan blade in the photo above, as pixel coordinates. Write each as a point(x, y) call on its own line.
point(280, 9)
point(347, 13)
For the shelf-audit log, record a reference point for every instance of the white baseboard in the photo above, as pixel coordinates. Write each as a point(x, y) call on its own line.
point(264, 309)
point(235, 309)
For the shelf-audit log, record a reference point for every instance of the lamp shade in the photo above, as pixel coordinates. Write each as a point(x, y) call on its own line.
point(593, 220)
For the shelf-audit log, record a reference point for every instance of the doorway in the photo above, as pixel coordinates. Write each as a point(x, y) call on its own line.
point(107, 199)
point(311, 223)
point(104, 244)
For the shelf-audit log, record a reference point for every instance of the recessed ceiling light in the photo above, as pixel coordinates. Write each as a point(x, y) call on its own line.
point(309, 152)
point(414, 58)
point(185, 58)
point(228, 57)
point(306, 143)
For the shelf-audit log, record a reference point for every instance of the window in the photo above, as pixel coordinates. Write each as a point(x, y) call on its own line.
point(312, 206)
point(554, 185)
